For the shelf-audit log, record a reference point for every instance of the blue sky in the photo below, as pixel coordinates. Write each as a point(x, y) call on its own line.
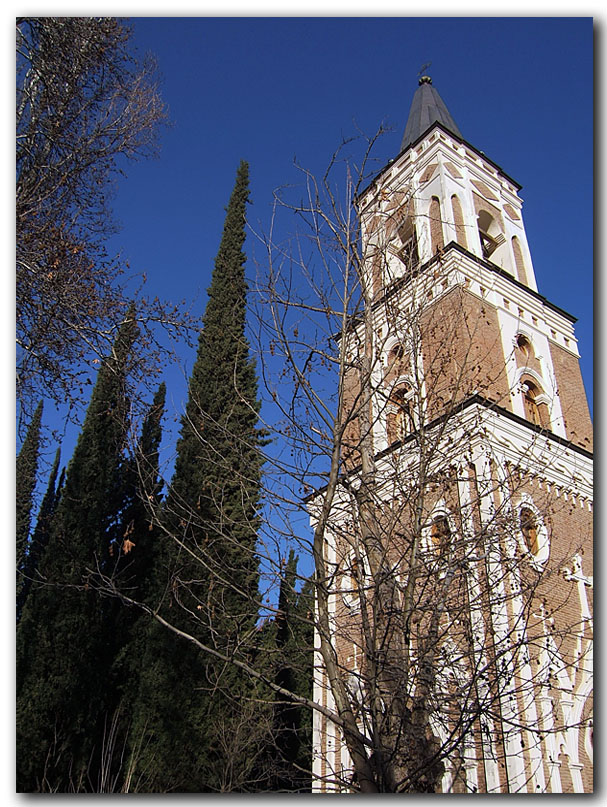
point(270, 90)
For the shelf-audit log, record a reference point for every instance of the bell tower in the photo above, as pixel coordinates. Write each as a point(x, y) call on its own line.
point(443, 207)
point(482, 472)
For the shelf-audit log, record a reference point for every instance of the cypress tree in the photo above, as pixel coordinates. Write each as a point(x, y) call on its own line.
point(137, 543)
point(211, 509)
point(64, 642)
point(302, 655)
point(215, 487)
point(39, 536)
point(212, 504)
point(294, 646)
point(26, 469)
point(150, 665)
point(159, 673)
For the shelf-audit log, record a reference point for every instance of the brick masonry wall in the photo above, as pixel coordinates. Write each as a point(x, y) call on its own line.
point(572, 396)
point(462, 352)
point(351, 405)
point(568, 519)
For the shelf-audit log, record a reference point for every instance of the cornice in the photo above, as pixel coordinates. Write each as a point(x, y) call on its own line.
point(473, 400)
point(397, 284)
point(449, 133)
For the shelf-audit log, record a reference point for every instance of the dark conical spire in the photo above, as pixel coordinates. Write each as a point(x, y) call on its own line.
point(427, 108)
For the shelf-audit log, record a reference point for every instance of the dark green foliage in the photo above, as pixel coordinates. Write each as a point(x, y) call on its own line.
point(65, 638)
point(218, 467)
point(154, 670)
point(214, 496)
point(26, 469)
point(302, 654)
point(109, 700)
point(40, 536)
point(294, 646)
point(212, 508)
point(160, 696)
point(136, 545)
point(194, 727)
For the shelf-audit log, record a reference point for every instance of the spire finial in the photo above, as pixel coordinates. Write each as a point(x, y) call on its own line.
point(427, 108)
point(423, 78)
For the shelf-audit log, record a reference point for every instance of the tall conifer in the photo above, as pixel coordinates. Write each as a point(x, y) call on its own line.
point(293, 643)
point(215, 488)
point(137, 542)
point(214, 494)
point(26, 469)
point(40, 536)
point(212, 505)
point(149, 667)
point(64, 642)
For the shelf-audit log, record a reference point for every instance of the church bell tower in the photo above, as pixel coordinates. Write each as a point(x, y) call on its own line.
point(464, 211)
point(476, 378)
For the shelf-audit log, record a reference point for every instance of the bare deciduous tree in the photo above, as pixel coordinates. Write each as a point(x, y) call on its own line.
point(85, 107)
point(430, 580)
point(452, 628)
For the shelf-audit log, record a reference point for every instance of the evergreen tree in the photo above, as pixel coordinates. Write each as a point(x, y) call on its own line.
point(162, 703)
point(294, 646)
point(150, 667)
point(302, 654)
point(214, 493)
point(40, 535)
point(64, 639)
point(137, 544)
point(26, 469)
point(212, 511)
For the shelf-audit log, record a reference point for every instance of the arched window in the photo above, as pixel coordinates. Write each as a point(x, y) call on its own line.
point(536, 410)
point(524, 355)
point(458, 220)
point(398, 361)
point(440, 535)
point(533, 537)
point(530, 392)
point(490, 234)
point(436, 226)
point(400, 419)
point(519, 261)
point(407, 240)
point(353, 579)
point(524, 350)
point(529, 529)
